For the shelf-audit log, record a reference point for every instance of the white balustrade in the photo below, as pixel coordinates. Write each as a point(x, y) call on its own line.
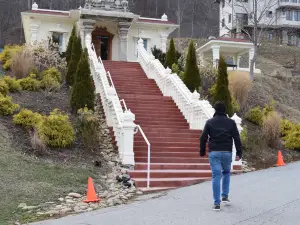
point(122, 122)
point(195, 111)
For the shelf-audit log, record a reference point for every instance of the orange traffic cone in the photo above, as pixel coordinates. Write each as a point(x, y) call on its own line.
point(280, 161)
point(91, 193)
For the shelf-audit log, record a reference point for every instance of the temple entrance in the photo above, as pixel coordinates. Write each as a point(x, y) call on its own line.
point(102, 41)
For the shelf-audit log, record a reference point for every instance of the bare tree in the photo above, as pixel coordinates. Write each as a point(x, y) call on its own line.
point(258, 21)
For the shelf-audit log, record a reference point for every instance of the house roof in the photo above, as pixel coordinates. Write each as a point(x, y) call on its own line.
point(231, 39)
point(48, 12)
point(155, 21)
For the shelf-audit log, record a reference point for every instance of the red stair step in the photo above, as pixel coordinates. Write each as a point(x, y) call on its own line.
point(170, 173)
point(172, 166)
point(170, 159)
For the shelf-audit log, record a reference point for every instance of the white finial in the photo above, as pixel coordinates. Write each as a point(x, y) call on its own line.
point(35, 6)
point(168, 70)
point(164, 17)
point(195, 96)
point(237, 119)
point(141, 42)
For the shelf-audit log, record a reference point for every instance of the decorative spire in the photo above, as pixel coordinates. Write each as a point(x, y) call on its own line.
point(111, 5)
point(35, 6)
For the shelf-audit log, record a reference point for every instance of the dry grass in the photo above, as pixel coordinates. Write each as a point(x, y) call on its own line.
point(240, 86)
point(271, 128)
point(23, 63)
point(37, 144)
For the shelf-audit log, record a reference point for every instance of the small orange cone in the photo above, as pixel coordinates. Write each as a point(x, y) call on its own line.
point(280, 161)
point(91, 193)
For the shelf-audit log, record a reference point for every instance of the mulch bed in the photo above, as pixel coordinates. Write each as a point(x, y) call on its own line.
point(44, 103)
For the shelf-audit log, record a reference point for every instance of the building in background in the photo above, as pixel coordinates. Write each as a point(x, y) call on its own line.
point(279, 20)
point(115, 31)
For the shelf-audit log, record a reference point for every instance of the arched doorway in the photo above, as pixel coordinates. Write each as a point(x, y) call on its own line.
point(102, 41)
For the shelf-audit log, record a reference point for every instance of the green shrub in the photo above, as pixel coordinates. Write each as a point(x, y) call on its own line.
point(83, 90)
point(269, 108)
point(235, 105)
point(73, 63)
point(88, 126)
point(3, 87)
point(191, 73)
point(159, 54)
point(293, 140)
point(30, 83)
point(70, 44)
point(286, 127)
point(244, 136)
point(7, 64)
point(51, 72)
point(222, 92)
point(7, 107)
point(13, 84)
point(56, 130)
point(171, 57)
point(50, 83)
point(27, 118)
point(255, 116)
point(8, 53)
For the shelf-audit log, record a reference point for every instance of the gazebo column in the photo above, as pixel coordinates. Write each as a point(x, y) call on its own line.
point(238, 59)
point(216, 55)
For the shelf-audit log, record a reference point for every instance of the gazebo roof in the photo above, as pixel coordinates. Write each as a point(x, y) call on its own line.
point(227, 45)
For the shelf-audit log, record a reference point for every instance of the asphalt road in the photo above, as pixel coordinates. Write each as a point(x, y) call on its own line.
point(269, 197)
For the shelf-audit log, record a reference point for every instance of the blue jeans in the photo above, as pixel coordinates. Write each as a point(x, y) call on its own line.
point(220, 163)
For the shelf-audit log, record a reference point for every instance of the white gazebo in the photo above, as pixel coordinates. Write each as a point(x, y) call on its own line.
point(231, 47)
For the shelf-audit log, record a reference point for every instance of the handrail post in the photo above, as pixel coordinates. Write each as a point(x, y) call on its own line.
point(128, 127)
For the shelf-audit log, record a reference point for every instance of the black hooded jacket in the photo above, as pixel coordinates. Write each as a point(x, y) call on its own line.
point(220, 131)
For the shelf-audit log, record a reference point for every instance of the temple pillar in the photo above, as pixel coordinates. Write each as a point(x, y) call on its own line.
point(123, 31)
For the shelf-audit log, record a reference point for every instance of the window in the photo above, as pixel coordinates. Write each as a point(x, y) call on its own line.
point(270, 36)
point(297, 15)
point(289, 15)
point(145, 44)
point(269, 14)
point(223, 3)
point(242, 18)
point(57, 38)
point(242, 0)
point(223, 22)
point(229, 18)
point(295, 1)
point(292, 40)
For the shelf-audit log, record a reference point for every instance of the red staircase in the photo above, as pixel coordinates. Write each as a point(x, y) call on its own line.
point(175, 159)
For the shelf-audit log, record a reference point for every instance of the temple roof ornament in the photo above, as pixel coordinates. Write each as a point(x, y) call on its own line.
point(111, 5)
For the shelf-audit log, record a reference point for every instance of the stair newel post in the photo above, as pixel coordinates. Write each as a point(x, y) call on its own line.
point(195, 113)
point(238, 122)
point(166, 91)
point(108, 113)
point(128, 130)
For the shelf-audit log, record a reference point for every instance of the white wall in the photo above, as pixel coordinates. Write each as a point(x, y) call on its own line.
point(151, 33)
point(45, 25)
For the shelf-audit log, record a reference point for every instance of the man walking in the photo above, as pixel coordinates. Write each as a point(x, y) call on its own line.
point(220, 131)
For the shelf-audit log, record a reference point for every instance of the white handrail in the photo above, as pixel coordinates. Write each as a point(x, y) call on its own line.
point(110, 79)
point(149, 154)
point(124, 103)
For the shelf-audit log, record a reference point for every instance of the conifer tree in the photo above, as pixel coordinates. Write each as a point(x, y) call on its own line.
point(191, 73)
point(222, 92)
point(75, 57)
point(70, 43)
point(83, 90)
point(171, 56)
